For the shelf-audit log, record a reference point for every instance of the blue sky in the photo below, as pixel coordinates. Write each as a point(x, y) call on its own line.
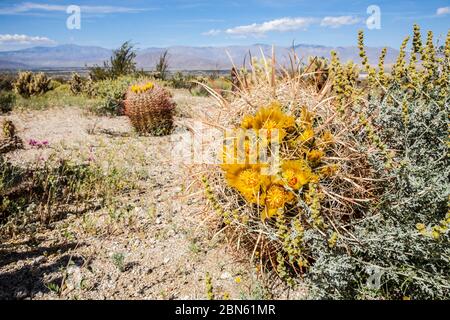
point(160, 23)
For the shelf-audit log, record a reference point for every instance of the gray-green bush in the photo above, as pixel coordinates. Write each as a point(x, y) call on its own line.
point(7, 100)
point(406, 238)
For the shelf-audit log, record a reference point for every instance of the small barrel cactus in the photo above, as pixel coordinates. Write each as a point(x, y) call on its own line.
point(150, 109)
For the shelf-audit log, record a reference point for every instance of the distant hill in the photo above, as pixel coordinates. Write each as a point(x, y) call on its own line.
point(180, 57)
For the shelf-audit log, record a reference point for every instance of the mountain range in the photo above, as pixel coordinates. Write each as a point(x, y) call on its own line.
point(180, 57)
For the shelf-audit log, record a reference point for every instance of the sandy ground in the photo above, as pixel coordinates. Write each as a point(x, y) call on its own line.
point(158, 247)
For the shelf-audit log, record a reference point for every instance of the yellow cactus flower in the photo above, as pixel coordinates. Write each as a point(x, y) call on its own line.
point(295, 173)
point(272, 117)
point(248, 180)
point(276, 198)
point(142, 88)
point(247, 122)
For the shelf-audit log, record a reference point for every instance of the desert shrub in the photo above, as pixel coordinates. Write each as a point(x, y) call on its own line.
point(41, 193)
point(7, 100)
point(121, 63)
point(98, 73)
point(162, 66)
point(60, 97)
point(404, 126)
point(181, 81)
point(111, 94)
point(31, 84)
point(407, 240)
point(150, 109)
point(6, 82)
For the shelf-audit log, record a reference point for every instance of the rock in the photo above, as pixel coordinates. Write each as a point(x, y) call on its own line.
point(74, 278)
point(40, 260)
point(225, 276)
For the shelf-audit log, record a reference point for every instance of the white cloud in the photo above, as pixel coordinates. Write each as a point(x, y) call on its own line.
point(22, 39)
point(280, 25)
point(33, 7)
point(443, 11)
point(336, 22)
point(212, 32)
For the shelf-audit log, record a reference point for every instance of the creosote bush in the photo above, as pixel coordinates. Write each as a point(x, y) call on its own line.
point(7, 100)
point(150, 109)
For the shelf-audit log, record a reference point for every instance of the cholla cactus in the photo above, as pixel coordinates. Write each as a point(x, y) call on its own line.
point(40, 84)
point(29, 84)
point(77, 84)
point(150, 109)
point(9, 129)
point(320, 69)
point(9, 141)
point(22, 84)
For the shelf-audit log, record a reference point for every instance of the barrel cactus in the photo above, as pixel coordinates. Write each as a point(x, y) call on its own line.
point(150, 109)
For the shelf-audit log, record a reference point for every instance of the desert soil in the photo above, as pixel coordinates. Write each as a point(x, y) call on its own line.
point(158, 245)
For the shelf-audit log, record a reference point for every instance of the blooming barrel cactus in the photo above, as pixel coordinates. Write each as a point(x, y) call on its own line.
point(150, 109)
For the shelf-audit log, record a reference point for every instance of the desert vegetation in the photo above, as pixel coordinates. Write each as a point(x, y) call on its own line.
point(328, 184)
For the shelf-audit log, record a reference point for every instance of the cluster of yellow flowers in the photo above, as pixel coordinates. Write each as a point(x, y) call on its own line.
point(435, 232)
point(300, 160)
point(142, 88)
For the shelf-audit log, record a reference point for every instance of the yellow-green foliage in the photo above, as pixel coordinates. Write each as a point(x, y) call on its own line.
point(344, 81)
point(150, 109)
